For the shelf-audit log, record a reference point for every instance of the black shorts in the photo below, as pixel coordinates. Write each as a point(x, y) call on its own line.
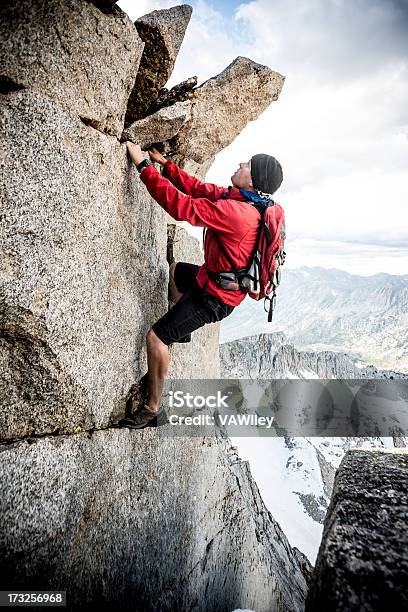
point(193, 310)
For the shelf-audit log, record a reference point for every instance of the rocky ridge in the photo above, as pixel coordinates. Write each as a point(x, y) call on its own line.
point(273, 355)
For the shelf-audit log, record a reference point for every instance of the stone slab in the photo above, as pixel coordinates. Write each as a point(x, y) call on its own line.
point(223, 106)
point(159, 127)
point(162, 32)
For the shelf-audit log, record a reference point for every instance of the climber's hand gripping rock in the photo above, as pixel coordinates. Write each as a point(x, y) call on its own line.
point(135, 152)
point(157, 157)
point(137, 156)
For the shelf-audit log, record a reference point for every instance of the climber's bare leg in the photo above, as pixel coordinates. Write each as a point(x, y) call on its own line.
point(158, 365)
point(174, 292)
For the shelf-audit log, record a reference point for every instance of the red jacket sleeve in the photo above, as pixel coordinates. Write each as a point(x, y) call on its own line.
point(190, 184)
point(200, 212)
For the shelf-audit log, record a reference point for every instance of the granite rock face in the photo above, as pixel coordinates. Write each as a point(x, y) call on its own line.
point(246, 90)
point(159, 127)
point(363, 558)
point(81, 57)
point(163, 32)
point(84, 250)
point(139, 520)
point(142, 521)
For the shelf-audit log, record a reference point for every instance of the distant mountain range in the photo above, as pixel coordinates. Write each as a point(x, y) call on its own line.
point(319, 309)
point(273, 355)
point(295, 474)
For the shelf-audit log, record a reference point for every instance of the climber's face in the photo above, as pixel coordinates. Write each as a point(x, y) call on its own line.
point(242, 177)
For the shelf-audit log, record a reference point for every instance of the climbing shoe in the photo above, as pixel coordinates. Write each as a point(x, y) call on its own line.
point(144, 417)
point(137, 396)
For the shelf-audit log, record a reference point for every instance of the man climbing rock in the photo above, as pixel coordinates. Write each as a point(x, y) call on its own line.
point(232, 228)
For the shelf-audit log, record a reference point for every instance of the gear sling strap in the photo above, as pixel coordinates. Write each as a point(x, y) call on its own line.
point(261, 279)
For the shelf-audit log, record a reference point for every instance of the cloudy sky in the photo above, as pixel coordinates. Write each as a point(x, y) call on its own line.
point(339, 128)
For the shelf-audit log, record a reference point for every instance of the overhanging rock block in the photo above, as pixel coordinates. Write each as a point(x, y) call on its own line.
point(69, 50)
point(104, 4)
point(83, 251)
point(162, 32)
point(222, 107)
point(179, 93)
point(362, 562)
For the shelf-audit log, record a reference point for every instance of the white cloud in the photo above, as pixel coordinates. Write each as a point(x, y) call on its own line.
point(137, 8)
point(338, 39)
point(354, 257)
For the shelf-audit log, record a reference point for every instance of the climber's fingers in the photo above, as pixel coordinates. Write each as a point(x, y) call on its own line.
point(135, 152)
point(156, 156)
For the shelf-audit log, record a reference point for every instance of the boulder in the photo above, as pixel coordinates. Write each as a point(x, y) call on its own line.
point(222, 107)
point(162, 32)
point(159, 127)
point(83, 251)
point(116, 517)
point(85, 59)
point(362, 562)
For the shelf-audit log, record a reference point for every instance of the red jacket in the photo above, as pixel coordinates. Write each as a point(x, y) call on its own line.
point(234, 221)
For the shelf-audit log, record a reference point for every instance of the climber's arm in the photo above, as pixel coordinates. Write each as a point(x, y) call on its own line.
point(182, 180)
point(185, 182)
point(190, 184)
point(200, 212)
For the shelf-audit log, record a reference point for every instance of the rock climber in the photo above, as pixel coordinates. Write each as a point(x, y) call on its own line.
point(232, 228)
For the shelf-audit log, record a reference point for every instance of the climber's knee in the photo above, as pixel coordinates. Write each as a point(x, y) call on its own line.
point(153, 341)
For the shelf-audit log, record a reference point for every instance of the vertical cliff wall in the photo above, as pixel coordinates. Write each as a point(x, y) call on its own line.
point(143, 522)
point(112, 515)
